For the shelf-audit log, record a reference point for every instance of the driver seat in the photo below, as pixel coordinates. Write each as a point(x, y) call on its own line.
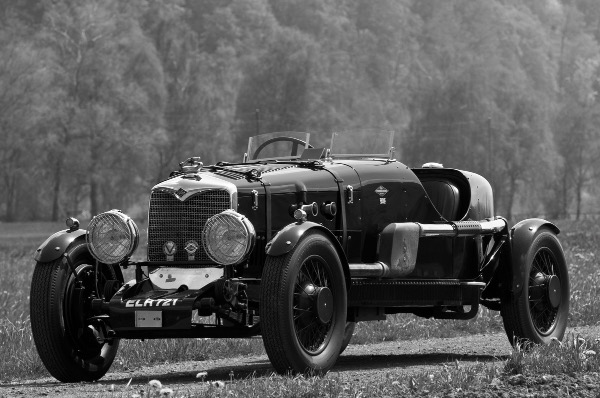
point(445, 197)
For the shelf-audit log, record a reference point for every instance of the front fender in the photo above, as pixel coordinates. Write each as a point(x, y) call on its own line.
point(521, 237)
point(288, 237)
point(56, 245)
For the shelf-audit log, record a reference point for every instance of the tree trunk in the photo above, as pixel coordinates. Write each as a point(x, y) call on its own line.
point(578, 199)
point(94, 205)
point(10, 200)
point(511, 196)
point(94, 191)
point(564, 191)
point(56, 190)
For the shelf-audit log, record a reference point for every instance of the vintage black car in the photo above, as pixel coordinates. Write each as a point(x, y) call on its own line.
point(296, 243)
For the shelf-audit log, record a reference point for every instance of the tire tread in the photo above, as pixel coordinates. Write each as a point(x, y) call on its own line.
point(44, 326)
point(271, 320)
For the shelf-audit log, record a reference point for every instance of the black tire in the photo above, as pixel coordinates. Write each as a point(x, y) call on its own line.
point(540, 312)
point(348, 332)
point(67, 347)
point(303, 307)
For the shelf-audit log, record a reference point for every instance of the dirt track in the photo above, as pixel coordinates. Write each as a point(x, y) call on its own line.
point(358, 363)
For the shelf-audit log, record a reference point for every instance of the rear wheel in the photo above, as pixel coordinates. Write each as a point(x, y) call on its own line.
point(540, 312)
point(303, 307)
point(348, 332)
point(60, 308)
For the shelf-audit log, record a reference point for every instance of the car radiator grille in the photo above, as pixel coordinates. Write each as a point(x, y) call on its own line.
point(173, 220)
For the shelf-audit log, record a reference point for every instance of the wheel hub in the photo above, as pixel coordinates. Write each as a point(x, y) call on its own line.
point(305, 303)
point(546, 288)
point(538, 288)
point(324, 304)
point(315, 302)
point(554, 291)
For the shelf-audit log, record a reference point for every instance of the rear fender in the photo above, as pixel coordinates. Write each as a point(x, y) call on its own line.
point(521, 239)
point(56, 245)
point(289, 236)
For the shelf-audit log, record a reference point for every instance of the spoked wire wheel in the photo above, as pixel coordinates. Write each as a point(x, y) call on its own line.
point(313, 305)
point(540, 311)
point(544, 291)
point(303, 306)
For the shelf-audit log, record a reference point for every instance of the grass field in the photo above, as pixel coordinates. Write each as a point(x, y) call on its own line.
point(18, 241)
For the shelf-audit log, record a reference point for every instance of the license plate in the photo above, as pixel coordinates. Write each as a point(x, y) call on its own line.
point(148, 319)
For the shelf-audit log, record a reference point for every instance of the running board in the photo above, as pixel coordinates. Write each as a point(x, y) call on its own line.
point(413, 293)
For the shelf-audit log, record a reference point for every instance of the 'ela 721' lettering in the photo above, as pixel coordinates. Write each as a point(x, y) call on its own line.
point(151, 303)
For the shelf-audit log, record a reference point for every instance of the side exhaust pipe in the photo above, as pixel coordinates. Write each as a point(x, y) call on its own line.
point(399, 243)
point(463, 228)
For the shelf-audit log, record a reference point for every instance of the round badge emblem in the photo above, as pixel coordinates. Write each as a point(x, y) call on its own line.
point(191, 247)
point(170, 248)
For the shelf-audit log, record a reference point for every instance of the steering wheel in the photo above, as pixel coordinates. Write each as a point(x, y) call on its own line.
point(294, 140)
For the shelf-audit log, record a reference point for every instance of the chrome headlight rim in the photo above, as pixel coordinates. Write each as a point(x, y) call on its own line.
point(236, 223)
point(102, 231)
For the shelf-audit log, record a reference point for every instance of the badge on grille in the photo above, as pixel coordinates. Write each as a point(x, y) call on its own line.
point(381, 190)
point(170, 248)
point(180, 192)
point(191, 247)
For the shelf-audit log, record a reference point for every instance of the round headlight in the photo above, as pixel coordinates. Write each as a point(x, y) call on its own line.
point(228, 237)
point(112, 236)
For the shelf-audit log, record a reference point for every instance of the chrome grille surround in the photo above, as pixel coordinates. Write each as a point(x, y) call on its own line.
point(173, 219)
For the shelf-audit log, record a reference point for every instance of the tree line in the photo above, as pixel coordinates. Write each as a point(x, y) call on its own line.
point(101, 99)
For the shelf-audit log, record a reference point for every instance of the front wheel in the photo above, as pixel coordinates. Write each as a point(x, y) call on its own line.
point(303, 307)
point(59, 308)
point(540, 312)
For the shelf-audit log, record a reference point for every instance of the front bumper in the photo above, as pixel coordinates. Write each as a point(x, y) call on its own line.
point(145, 310)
